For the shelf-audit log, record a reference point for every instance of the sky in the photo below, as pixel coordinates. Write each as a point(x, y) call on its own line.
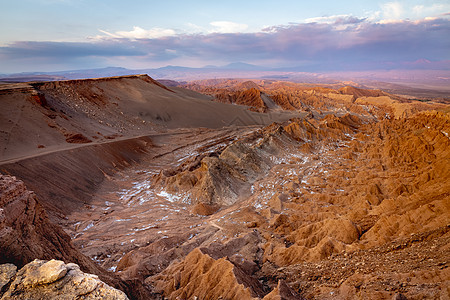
point(57, 35)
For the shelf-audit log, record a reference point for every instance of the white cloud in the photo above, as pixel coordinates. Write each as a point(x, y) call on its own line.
point(194, 28)
point(228, 27)
point(140, 33)
point(395, 12)
point(418, 9)
point(327, 20)
point(322, 46)
point(427, 11)
point(171, 51)
point(339, 22)
point(392, 10)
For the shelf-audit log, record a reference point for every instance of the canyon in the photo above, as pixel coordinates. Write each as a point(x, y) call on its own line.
point(224, 189)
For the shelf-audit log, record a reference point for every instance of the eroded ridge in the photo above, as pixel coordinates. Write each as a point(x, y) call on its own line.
point(347, 199)
point(340, 193)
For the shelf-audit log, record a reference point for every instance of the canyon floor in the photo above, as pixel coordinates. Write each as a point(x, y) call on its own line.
point(229, 189)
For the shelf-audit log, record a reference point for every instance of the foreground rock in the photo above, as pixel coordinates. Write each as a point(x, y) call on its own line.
point(26, 233)
point(53, 280)
point(25, 230)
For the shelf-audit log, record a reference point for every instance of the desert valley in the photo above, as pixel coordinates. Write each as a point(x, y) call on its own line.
point(129, 187)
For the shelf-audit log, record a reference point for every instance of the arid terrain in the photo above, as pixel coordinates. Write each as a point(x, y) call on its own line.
point(222, 189)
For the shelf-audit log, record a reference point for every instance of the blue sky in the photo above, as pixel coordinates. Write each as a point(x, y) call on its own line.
point(51, 35)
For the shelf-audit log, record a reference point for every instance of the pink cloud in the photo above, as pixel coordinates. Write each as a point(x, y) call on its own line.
point(344, 42)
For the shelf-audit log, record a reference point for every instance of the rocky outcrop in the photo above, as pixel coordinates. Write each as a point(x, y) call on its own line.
point(65, 181)
point(283, 292)
point(199, 276)
point(26, 233)
point(7, 272)
point(393, 176)
point(358, 92)
point(336, 205)
point(53, 279)
point(249, 97)
point(25, 230)
point(351, 189)
point(223, 177)
point(306, 97)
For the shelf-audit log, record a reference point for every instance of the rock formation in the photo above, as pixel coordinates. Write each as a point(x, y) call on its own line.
point(357, 92)
point(199, 276)
point(224, 176)
point(257, 94)
point(346, 197)
point(53, 279)
point(249, 97)
point(383, 185)
point(26, 233)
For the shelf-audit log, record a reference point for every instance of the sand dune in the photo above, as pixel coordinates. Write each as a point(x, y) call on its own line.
point(39, 116)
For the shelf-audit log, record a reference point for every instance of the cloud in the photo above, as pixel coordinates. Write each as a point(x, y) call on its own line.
point(392, 10)
point(335, 19)
point(433, 10)
point(228, 27)
point(194, 28)
point(140, 33)
point(339, 22)
point(63, 50)
point(360, 43)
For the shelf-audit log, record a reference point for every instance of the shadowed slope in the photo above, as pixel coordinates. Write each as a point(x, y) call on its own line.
point(42, 115)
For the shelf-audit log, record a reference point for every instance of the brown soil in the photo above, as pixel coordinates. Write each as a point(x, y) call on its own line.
point(58, 115)
point(27, 234)
point(350, 199)
point(77, 138)
point(272, 95)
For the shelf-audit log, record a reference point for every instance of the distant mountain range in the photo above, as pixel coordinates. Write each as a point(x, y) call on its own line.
point(396, 81)
point(164, 72)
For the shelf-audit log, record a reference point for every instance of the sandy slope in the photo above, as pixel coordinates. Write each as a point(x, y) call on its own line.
point(36, 116)
point(333, 205)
